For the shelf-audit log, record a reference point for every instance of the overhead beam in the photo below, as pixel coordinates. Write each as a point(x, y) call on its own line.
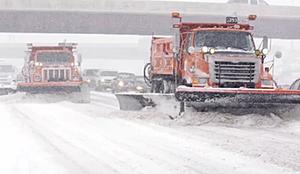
point(137, 17)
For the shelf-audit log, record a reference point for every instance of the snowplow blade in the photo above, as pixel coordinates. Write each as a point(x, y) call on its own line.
point(138, 101)
point(77, 92)
point(51, 87)
point(230, 98)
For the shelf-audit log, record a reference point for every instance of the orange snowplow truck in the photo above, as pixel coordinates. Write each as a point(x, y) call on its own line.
point(214, 64)
point(52, 69)
point(209, 55)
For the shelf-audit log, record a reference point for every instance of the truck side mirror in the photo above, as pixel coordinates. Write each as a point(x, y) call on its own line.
point(79, 59)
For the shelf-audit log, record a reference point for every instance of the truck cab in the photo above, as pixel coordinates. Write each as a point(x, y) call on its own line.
point(221, 56)
point(51, 64)
point(52, 68)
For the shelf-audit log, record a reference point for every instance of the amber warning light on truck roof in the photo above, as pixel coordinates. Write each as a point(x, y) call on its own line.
point(252, 17)
point(176, 15)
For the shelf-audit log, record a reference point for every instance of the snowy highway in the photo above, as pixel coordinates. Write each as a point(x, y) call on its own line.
point(60, 137)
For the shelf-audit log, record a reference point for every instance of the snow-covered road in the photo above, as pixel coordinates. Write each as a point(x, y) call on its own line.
point(62, 137)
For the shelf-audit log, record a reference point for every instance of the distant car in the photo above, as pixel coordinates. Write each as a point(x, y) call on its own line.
point(92, 75)
point(8, 79)
point(106, 80)
point(124, 82)
point(250, 2)
point(140, 85)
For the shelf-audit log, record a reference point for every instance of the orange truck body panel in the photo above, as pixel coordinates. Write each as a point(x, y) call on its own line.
point(162, 58)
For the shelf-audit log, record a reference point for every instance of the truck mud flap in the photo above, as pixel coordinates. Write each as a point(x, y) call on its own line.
point(138, 101)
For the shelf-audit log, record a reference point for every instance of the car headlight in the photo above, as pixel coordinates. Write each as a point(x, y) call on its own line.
point(139, 88)
point(121, 83)
point(102, 80)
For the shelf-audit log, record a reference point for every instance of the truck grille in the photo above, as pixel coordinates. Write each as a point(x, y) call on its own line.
point(56, 75)
point(226, 71)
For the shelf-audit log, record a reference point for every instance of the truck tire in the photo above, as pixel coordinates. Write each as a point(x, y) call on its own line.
point(155, 87)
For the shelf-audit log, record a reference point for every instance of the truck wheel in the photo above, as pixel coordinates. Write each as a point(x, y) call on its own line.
point(155, 87)
point(181, 108)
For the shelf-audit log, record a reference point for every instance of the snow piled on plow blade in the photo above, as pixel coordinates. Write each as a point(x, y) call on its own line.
point(138, 101)
point(239, 100)
point(77, 92)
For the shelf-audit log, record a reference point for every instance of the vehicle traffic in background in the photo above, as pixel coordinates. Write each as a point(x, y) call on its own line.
point(8, 78)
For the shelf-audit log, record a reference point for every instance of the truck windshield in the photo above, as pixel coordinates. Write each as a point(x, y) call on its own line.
point(54, 57)
point(225, 40)
point(6, 68)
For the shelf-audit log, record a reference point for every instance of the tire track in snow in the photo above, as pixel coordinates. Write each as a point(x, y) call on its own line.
point(144, 143)
point(73, 155)
point(120, 150)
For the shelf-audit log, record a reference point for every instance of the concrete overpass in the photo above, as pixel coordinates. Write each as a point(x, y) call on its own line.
point(140, 17)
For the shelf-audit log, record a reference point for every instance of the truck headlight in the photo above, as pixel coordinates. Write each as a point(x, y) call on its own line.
point(203, 81)
point(139, 88)
point(212, 51)
point(204, 49)
point(265, 51)
point(200, 81)
point(191, 50)
point(267, 83)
